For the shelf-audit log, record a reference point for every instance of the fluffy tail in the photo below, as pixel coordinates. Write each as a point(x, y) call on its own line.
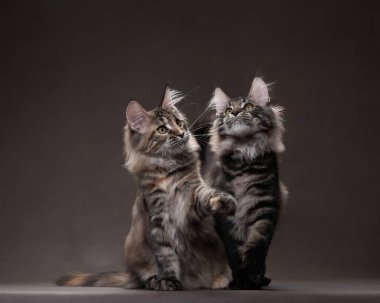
point(105, 279)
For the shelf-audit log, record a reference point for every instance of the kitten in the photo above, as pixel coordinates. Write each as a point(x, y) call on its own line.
point(172, 243)
point(245, 139)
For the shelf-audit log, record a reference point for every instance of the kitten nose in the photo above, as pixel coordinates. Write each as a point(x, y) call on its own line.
point(235, 111)
point(181, 135)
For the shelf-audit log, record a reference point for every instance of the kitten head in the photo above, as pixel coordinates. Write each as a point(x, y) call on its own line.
point(159, 133)
point(247, 119)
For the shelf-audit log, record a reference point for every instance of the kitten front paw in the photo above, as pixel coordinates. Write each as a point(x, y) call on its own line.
point(168, 283)
point(223, 204)
point(249, 282)
point(265, 281)
point(244, 284)
point(151, 283)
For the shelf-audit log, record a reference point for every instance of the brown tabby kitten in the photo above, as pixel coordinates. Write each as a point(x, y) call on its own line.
point(246, 137)
point(172, 243)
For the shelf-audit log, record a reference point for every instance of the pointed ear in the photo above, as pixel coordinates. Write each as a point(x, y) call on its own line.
point(167, 102)
point(137, 116)
point(220, 100)
point(259, 92)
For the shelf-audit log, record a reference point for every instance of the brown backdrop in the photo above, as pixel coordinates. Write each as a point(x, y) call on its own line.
point(68, 69)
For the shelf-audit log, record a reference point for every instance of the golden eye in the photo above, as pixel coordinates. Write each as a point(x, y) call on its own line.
point(162, 130)
point(248, 107)
point(228, 111)
point(179, 122)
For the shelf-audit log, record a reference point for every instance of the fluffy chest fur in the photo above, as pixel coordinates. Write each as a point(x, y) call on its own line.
point(171, 191)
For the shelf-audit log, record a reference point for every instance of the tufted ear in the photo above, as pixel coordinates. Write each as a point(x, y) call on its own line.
point(220, 100)
point(259, 92)
point(137, 116)
point(168, 101)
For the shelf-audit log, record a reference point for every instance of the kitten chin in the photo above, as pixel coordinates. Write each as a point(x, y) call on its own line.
point(239, 128)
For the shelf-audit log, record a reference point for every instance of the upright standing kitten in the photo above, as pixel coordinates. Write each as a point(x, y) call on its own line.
point(245, 139)
point(172, 243)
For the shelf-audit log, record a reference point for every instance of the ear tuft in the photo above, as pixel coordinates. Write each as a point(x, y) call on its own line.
point(137, 116)
point(171, 97)
point(219, 101)
point(259, 92)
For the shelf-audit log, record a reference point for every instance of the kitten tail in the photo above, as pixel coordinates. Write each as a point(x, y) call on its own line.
point(105, 279)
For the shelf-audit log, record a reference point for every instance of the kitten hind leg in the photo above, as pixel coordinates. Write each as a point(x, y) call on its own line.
point(253, 255)
point(221, 282)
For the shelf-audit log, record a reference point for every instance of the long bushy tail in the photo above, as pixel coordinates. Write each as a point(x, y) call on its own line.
point(105, 279)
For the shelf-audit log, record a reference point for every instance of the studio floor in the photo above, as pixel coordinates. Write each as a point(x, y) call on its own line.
point(305, 291)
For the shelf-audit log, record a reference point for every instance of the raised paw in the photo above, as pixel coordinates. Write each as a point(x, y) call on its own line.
point(223, 203)
point(168, 283)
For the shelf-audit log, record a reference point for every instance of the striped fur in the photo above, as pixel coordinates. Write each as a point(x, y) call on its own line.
point(172, 243)
point(245, 138)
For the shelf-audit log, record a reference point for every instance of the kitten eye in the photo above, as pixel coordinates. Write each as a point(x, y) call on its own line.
point(228, 111)
point(162, 130)
point(248, 107)
point(179, 122)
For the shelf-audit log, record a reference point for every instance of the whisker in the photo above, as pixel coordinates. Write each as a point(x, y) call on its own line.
point(193, 103)
point(191, 91)
point(205, 123)
point(207, 108)
point(205, 131)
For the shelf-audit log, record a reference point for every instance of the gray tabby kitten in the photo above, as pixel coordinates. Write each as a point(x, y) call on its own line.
point(172, 243)
point(245, 139)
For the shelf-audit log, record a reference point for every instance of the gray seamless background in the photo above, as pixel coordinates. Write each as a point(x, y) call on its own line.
point(68, 69)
